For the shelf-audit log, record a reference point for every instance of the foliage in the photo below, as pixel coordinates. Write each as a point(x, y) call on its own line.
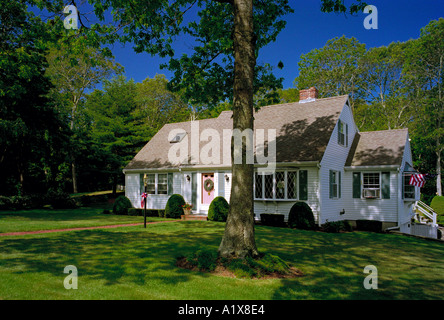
point(437, 204)
point(336, 226)
point(301, 217)
point(204, 260)
point(122, 205)
point(59, 199)
point(173, 208)
point(218, 210)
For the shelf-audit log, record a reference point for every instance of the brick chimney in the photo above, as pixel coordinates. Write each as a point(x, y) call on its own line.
point(308, 95)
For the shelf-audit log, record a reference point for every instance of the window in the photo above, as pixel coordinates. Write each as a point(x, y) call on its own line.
point(342, 133)
point(409, 190)
point(151, 183)
point(162, 183)
point(156, 183)
point(371, 185)
point(335, 183)
point(280, 185)
point(374, 185)
point(292, 180)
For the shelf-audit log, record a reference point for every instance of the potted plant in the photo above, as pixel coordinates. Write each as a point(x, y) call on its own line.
point(187, 208)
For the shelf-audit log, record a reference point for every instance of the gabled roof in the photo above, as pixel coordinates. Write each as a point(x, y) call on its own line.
point(375, 148)
point(303, 131)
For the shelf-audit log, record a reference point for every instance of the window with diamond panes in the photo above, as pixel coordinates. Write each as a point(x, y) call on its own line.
point(292, 180)
point(268, 182)
point(258, 185)
point(280, 185)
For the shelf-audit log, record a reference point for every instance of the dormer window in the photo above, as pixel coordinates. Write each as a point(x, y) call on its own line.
point(178, 137)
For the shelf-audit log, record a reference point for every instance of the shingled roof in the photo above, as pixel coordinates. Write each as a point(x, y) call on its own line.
point(375, 148)
point(302, 132)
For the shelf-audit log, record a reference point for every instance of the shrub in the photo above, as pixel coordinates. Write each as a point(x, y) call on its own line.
point(272, 219)
point(5, 203)
point(205, 260)
point(437, 204)
point(301, 217)
point(122, 205)
point(218, 210)
point(59, 199)
point(369, 225)
point(173, 208)
point(336, 226)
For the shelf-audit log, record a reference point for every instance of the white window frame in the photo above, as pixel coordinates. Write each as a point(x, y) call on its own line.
point(156, 183)
point(335, 183)
point(378, 189)
point(407, 184)
point(274, 187)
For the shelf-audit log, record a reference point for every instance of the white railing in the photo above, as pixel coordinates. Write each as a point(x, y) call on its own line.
point(422, 209)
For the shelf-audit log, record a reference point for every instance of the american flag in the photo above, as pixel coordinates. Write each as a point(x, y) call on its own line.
point(418, 180)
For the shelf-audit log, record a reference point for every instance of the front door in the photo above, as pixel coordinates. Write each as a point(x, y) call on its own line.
point(207, 188)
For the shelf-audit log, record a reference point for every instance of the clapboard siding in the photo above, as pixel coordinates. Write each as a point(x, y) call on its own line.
point(385, 210)
point(132, 189)
point(334, 159)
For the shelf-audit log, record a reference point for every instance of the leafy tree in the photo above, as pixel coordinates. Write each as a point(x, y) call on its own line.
point(334, 69)
point(30, 129)
point(387, 105)
point(74, 68)
point(424, 68)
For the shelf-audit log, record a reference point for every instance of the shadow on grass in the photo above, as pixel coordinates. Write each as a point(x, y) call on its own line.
point(332, 264)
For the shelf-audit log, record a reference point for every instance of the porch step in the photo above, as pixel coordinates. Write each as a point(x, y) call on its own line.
point(201, 217)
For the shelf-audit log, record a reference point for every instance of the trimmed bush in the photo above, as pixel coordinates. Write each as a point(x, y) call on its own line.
point(272, 219)
point(336, 226)
point(301, 217)
point(122, 205)
point(437, 204)
point(173, 208)
point(218, 210)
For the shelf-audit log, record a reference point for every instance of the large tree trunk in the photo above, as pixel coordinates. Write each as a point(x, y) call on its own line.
point(239, 240)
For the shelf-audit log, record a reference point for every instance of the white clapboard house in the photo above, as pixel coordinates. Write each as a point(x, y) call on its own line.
point(321, 158)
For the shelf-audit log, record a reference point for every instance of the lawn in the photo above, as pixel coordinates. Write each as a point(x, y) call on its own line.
point(137, 263)
point(45, 219)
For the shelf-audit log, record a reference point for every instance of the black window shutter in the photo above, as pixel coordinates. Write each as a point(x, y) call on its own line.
point(356, 185)
point(303, 185)
point(170, 183)
point(339, 185)
point(330, 183)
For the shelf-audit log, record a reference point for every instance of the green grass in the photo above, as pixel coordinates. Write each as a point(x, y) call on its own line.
point(137, 263)
point(42, 219)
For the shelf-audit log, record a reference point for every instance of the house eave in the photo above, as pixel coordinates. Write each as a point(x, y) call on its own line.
point(392, 167)
point(279, 165)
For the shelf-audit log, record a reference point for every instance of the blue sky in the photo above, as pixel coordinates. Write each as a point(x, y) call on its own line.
point(308, 28)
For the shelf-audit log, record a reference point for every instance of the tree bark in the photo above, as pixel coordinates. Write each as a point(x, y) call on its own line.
point(239, 238)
